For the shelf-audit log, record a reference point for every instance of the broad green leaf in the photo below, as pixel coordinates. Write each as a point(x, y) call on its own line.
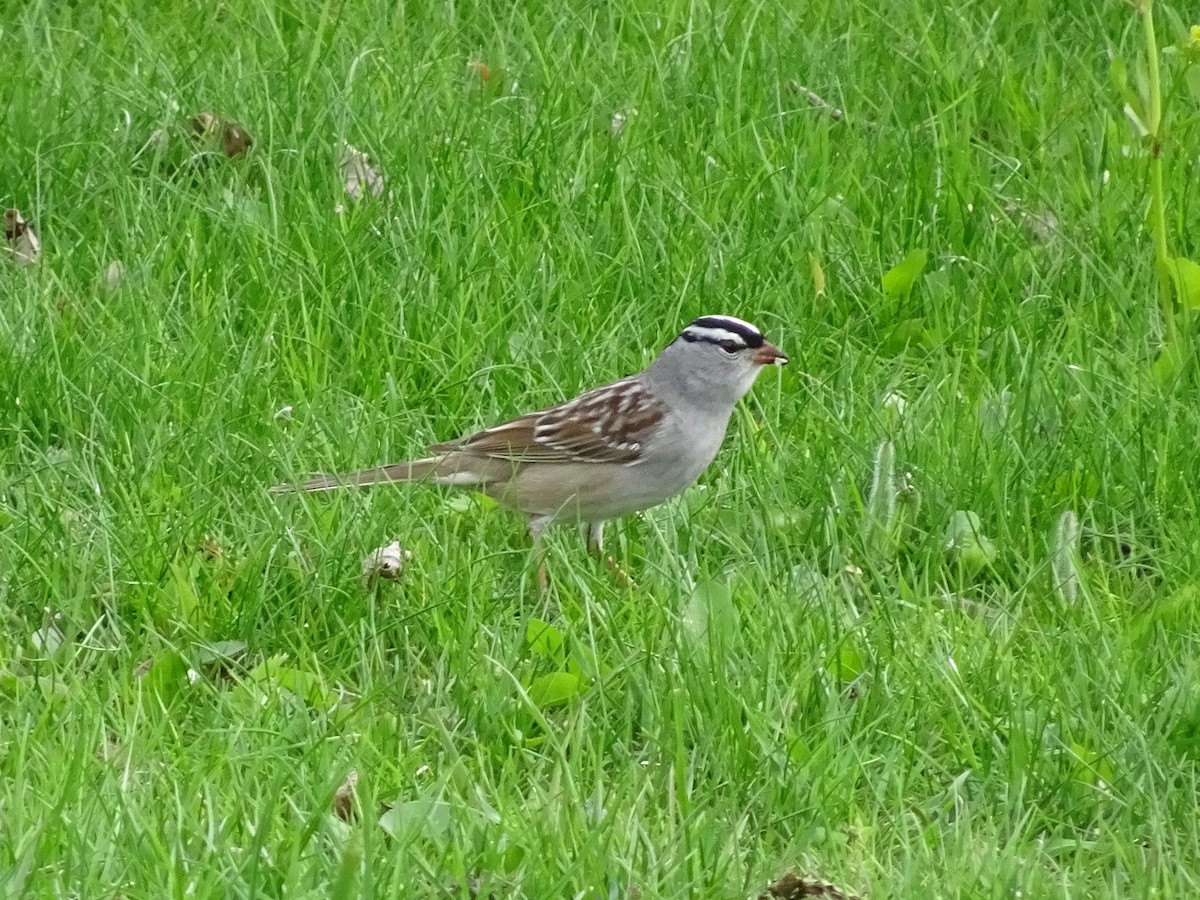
point(818, 274)
point(1091, 768)
point(514, 855)
point(182, 589)
point(900, 279)
point(272, 675)
point(345, 882)
point(1167, 364)
point(966, 543)
point(1193, 82)
point(835, 210)
point(847, 664)
point(1132, 103)
point(554, 689)
point(12, 686)
point(222, 652)
point(586, 664)
point(1118, 72)
point(710, 611)
point(166, 677)
point(417, 818)
point(964, 528)
point(1076, 485)
point(544, 639)
point(907, 332)
point(1185, 274)
point(468, 502)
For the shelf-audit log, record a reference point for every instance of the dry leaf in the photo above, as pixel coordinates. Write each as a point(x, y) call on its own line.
point(1040, 224)
point(345, 799)
point(793, 887)
point(386, 562)
point(235, 141)
point(814, 99)
point(109, 748)
point(480, 69)
point(359, 175)
point(23, 244)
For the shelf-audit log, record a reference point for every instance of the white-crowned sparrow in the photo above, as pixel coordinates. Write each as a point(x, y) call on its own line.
point(626, 446)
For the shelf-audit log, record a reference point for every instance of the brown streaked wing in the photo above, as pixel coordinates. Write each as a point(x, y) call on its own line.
point(607, 424)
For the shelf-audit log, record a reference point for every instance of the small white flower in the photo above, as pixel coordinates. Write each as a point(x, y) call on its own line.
point(621, 117)
point(895, 402)
point(114, 275)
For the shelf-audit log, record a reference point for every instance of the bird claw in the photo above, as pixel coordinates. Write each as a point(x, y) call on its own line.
point(622, 576)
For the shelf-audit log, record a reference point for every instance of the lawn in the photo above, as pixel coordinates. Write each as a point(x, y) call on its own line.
point(928, 627)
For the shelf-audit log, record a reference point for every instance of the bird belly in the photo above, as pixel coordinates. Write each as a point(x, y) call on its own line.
point(594, 492)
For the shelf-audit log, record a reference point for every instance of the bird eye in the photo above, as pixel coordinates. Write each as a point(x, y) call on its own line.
point(730, 347)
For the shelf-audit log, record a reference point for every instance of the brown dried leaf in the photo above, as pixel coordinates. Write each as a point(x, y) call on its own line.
point(359, 175)
point(814, 99)
point(480, 69)
point(345, 799)
point(22, 244)
point(385, 562)
point(1039, 224)
point(204, 125)
point(235, 140)
point(792, 887)
point(109, 748)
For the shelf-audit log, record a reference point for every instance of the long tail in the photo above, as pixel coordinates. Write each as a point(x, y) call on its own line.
point(416, 470)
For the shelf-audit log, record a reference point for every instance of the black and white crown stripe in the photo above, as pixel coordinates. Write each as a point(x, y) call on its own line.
point(724, 331)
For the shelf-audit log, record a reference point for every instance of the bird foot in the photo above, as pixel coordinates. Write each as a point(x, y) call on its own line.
point(622, 576)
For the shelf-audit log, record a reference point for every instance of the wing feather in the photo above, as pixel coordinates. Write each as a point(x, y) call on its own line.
point(605, 425)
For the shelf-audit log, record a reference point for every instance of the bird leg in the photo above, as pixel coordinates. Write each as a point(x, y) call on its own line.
point(537, 527)
point(595, 542)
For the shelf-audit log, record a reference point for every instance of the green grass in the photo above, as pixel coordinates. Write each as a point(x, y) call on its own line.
point(785, 690)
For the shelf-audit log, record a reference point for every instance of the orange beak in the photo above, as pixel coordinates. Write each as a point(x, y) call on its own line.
point(770, 356)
